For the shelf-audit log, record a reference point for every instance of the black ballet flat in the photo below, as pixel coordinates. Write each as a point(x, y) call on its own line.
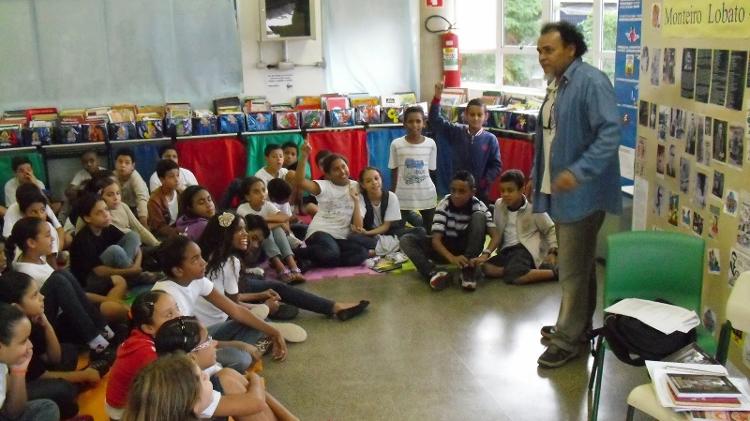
point(350, 312)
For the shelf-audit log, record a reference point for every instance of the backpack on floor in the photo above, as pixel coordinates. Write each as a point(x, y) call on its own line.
point(634, 342)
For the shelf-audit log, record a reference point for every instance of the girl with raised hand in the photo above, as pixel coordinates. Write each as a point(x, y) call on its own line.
point(242, 398)
point(338, 206)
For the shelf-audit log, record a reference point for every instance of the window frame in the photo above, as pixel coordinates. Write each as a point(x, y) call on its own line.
point(550, 9)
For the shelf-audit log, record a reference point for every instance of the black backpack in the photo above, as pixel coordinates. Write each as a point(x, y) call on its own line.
point(634, 342)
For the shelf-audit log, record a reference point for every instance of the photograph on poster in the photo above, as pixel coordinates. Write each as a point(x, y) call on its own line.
point(731, 202)
point(720, 140)
point(664, 113)
point(684, 175)
point(655, 66)
point(643, 113)
point(660, 194)
point(702, 75)
point(717, 190)
point(697, 223)
point(652, 116)
point(667, 75)
point(692, 132)
point(736, 79)
point(672, 160)
point(739, 262)
point(644, 59)
point(687, 82)
point(714, 212)
point(640, 156)
point(736, 145)
point(743, 222)
point(699, 195)
point(714, 267)
point(677, 123)
point(685, 218)
point(660, 158)
point(674, 209)
point(719, 68)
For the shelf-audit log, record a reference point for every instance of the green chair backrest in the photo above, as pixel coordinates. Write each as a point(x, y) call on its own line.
point(6, 170)
point(655, 264)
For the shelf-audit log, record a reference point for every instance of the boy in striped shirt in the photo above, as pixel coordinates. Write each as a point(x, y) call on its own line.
point(459, 228)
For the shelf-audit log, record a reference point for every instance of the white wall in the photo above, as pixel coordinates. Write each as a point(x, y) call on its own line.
point(304, 80)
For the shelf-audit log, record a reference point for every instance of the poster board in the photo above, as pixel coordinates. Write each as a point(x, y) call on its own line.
point(692, 137)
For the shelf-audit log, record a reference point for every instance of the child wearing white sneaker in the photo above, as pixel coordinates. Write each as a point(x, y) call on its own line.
point(524, 237)
point(459, 228)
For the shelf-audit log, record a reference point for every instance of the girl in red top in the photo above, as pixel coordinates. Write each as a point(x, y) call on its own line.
point(149, 311)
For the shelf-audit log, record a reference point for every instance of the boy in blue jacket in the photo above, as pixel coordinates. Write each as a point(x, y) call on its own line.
point(473, 149)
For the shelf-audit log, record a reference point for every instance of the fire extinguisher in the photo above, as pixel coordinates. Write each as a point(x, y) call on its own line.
point(449, 49)
point(451, 61)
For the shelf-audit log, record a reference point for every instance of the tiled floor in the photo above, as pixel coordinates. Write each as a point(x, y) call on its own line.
point(422, 355)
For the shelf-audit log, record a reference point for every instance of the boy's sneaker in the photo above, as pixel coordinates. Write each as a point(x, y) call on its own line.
point(468, 279)
point(398, 257)
point(439, 280)
point(294, 242)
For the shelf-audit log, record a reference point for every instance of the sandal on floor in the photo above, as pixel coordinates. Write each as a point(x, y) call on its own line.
point(286, 277)
point(350, 312)
point(264, 345)
point(297, 277)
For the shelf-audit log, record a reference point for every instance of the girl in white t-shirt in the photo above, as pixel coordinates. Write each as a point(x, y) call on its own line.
point(33, 203)
point(67, 307)
point(276, 247)
point(380, 226)
point(338, 206)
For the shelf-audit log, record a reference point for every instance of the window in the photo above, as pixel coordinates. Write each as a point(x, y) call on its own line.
point(506, 55)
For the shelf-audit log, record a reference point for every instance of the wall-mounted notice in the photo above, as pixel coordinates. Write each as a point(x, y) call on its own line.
point(708, 19)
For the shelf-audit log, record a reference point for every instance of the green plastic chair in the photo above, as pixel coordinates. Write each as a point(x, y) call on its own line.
point(651, 265)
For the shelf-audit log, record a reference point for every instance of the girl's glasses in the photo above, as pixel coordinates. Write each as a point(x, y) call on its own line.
point(203, 345)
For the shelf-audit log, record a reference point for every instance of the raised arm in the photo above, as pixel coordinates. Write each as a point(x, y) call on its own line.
point(299, 177)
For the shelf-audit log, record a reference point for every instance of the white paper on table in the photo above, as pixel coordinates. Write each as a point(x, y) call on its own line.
point(658, 370)
point(664, 317)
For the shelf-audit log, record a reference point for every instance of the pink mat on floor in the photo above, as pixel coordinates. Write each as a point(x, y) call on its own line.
point(318, 274)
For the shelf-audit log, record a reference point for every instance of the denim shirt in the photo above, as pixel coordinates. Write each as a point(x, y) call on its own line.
point(586, 143)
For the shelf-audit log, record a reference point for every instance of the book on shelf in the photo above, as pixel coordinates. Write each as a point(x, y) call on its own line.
point(690, 354)
point(362, 99)
point(334, 101)
point(227, 105)
point(702, 386)
point(307, 103)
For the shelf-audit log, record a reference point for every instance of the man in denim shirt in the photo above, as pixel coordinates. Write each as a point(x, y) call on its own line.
point(576, 177)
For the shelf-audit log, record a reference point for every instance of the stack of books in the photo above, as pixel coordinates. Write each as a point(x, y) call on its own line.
point(698, 387)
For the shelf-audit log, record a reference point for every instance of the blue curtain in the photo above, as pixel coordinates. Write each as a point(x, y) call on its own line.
point(379, 148)
point(85, 53)
point(353, 46)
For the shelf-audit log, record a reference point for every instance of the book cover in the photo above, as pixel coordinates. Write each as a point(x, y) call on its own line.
point(710, 402)
point(719, 415)
point(690, 354)
point(702, 385)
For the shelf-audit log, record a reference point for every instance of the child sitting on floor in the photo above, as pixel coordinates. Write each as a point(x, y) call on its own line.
point(290, 155)
point(196, 207)
point(162, 205)
point(458, 231)
point(16, 352)
point(277, 247)
point(274, 165)
point(52, 371)
point(380, 226)
point(524, 237)
point(279, 193)
point(237, 396)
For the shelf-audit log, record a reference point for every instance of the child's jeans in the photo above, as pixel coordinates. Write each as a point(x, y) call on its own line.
point(418, 246)
point(231, 330)
point(121, 255)
point(37, 410)
point(277, 245)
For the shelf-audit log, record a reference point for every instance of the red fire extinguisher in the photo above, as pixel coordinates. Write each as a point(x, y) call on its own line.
point(451, 61)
